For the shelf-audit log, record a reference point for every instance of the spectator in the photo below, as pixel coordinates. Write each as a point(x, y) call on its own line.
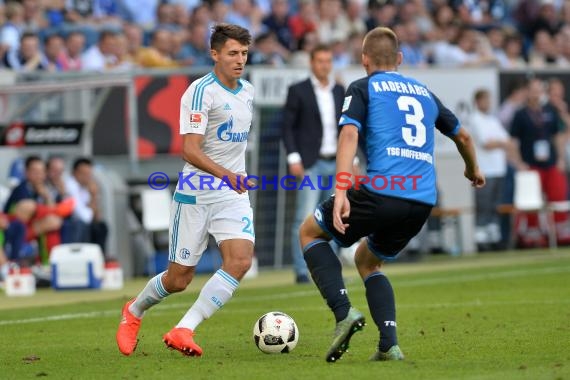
point(187, 5)
point(305, 20)
point(107, 12)
point(277, 22)
point(56, 184)
point(79, 11)
point(11, 31)
point(55, 181)
point(302, 56)
point(31, 203)
point(267, 51)
point(310, 136)
point(55, 13)
point(134, 34)
point(70, 58)
point(81, 185)
point(481, 14)
point(140, 12)
point(381, 13)
point(536, 130)
point(513, 52)
point(247, 15)
point(355, 17)
point(159, 53)
point(556, 98)
point(411, 46)
point(496, 37)
point(517, 92)
point(34, 15)
point(28, 57)
point(197, 49)
point(543, 51)
point(181, 17)
point(54, 48)
point(562, 40)
point(547, 19)
point(468, 51)
point(125, 61)
point(492, 144)
point(333, 24)
point(101, 56)
point(516, 98)
point(13, 244)
point(166, 18)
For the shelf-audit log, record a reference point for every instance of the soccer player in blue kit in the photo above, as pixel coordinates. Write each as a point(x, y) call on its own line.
point(397, 117)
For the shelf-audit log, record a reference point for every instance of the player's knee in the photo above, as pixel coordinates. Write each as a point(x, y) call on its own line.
point(176, 284)
point(306, 232)
point(240, 265)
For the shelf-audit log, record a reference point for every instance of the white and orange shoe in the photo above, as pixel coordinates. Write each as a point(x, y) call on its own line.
point(128, 330)
point(182, 339)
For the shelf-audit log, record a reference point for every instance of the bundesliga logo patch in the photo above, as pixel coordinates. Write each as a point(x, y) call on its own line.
point(195, 117)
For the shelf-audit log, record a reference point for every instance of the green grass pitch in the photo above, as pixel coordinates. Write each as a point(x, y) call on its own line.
point(493, 316)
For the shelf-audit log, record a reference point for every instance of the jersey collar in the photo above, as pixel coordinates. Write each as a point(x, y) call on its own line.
point(233, 91)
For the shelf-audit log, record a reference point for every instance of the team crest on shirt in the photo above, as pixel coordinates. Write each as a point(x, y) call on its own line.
point(184, 253)
point(195, 119)
point(346, 103)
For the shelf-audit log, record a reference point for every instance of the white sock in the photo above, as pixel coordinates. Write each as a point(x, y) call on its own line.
point(215, 294)
point(152, 294)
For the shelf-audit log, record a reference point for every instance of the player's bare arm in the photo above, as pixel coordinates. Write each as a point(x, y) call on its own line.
point(347, 146)
point(466, 148)
point(192, 153)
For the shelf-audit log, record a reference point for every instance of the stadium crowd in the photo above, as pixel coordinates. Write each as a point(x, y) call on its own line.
point(71, 35)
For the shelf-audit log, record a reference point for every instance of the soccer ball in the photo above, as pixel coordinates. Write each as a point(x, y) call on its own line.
point(275, 332)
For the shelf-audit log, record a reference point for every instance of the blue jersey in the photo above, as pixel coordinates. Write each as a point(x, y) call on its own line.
point(397, 117)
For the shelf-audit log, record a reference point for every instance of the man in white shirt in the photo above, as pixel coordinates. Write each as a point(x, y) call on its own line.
point(492, 143)
point(81, 186)
point(101, 56)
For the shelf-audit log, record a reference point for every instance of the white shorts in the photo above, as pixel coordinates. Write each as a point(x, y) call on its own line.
point(190, 225)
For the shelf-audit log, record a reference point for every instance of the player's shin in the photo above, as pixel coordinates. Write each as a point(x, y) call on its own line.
point(215, 294)
point(326, 271)
point(153, 293)
point(380, 297)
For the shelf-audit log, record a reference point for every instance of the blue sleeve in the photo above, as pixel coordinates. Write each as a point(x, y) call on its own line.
point(446, 122)
point(355, 106)
point(20, 192)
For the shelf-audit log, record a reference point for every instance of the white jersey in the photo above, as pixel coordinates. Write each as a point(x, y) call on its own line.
point(224, 117)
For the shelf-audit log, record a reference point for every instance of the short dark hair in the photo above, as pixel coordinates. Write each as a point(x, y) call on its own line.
point(52, 158)
point(480, 93)
point(223, 32)
point(319, 48)
point(81, 161)
point(50, 37)
point(381, 46)
point(30, 160)
point(29, 34)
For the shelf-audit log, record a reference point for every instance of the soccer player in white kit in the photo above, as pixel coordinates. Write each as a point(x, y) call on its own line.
point(210, 198)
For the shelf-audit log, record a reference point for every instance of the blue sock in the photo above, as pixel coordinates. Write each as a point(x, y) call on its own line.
point(380, 297)
point(326, 271)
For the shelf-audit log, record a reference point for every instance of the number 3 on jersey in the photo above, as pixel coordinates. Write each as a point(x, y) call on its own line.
point(414, 115)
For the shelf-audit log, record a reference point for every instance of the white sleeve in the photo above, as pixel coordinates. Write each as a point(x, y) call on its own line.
point(194, 108)
point(82, 211)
